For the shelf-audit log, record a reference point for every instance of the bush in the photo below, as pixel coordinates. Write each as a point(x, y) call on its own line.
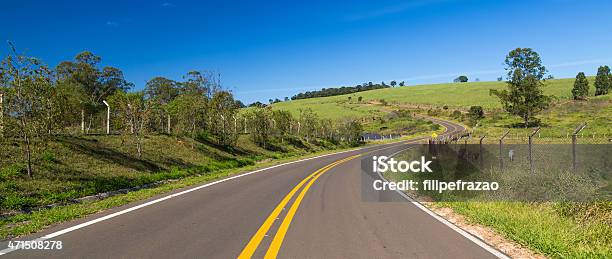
point(48, 156)
point(456, 114)
point(10, 172)
point(16, 202)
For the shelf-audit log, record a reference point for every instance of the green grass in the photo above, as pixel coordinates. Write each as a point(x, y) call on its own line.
point(557, 121)
point(71, 167)
point(28, 223)
point(555, 229)
point(541, 228)
point(453, 95)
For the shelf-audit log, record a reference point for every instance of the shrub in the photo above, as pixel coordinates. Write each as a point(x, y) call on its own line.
point(11, 171)
point(456, 114)
point(476, 112)
point(48, 156)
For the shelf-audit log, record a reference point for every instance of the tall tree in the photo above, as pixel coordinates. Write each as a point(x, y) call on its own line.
point(282, 123)
point(223, 108)
point(28, 86)
point(581, 87)
point(602, 80)
point(161, 91)
point(262, 125)
point(135, 111)
point(524, 96)
point(97, 84)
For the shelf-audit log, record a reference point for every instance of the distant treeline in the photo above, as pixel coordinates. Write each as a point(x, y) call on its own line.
point(343, 90)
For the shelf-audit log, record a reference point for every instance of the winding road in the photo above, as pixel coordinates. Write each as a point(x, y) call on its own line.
point(313, 208)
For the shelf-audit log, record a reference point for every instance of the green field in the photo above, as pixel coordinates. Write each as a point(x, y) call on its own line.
point(453, 95)
point(442, 99)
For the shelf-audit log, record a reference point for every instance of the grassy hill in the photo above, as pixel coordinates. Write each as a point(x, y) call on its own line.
point(563, 116)
point(453, 95)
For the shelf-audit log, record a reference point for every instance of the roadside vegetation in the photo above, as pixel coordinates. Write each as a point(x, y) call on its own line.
point(79, 129)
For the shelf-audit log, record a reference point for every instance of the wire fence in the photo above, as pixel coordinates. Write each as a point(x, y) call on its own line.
point(576, 152)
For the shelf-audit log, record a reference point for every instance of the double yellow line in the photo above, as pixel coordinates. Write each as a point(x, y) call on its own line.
point(274, 248)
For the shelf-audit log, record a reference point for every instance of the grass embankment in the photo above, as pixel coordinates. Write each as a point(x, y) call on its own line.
point(552, 211)
point(27, 223)
point(542, 227)
point(71, 167)
point(554, 229)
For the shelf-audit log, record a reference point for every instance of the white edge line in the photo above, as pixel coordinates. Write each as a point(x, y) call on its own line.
point(462, 232)
point(91, 222)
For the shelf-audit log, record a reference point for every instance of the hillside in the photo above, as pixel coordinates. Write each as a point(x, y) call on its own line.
point(557, 121)
point(454, 95)
point(71, 167)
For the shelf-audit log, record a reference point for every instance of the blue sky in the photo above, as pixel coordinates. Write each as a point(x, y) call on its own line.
point(274, 49)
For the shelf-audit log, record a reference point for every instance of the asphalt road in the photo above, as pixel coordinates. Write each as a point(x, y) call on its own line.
point(324, 216)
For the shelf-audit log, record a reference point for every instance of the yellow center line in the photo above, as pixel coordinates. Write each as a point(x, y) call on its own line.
point(282, 231)
point(274, 248)
point(250, 248)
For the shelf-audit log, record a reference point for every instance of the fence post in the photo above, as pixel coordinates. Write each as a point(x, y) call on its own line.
point(245, 125)
point(501, 149)
point(480, 154)
point(531, 167)
point(1, 115)
point(574, 140)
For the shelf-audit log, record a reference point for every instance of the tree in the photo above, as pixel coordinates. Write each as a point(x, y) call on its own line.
point(134, 110)
point(190, 112)
point(393, 83)
point(96, 83)
point(240, 104)
point(27, 84)
point(309, 123)
point(402, 83)
point(461, 79)
point(262, 125)
point(257, 104)
point(282, 125)
point(161, 91)
point(602, 80)
point(581, 87)
point(223, 109)
point(524, 96)
point(475, 114)
point(360, 98)
point(351, 131)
